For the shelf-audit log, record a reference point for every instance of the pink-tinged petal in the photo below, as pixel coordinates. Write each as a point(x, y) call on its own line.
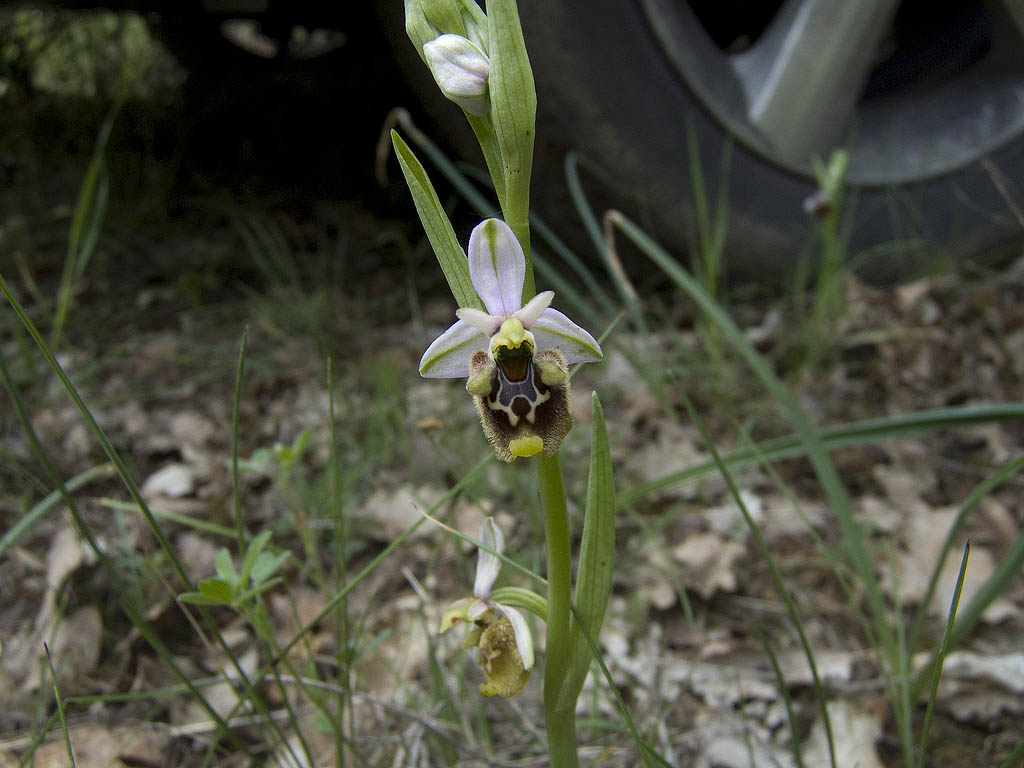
point(497, 267)
point(553, 329)
point(460, 69)
point(524, 640)
point(488, 325)
point(534, 308)
point(448, 355)
point(488, 565)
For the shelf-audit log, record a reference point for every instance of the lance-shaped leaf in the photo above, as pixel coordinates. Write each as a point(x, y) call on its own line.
point(438, 228)
point(597, 557)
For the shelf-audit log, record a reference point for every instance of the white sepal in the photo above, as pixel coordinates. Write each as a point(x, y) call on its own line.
point(497, 267)
point(448, 355)
point(488, 565)
point(553, 329)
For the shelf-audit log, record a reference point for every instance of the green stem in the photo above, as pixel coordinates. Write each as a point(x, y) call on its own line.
point(561, 723)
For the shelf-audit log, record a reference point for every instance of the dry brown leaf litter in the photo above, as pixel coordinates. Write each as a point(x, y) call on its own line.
point(706, 685)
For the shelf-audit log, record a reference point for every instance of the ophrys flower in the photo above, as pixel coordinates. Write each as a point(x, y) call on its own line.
point(500, 631)
point(516, 357)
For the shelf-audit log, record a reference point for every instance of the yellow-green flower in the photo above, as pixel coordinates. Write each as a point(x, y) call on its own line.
point(499, 631)
point(516, 357)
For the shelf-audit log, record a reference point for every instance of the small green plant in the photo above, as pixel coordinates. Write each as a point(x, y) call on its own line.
point(239, 589)
point(826, 206)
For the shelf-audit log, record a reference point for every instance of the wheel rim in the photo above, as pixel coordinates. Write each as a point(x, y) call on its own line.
point(816, 79)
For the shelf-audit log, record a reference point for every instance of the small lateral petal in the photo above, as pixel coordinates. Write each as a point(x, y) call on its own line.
point(497, 267)
point(448, 355)
point(534, 308)
point(554, 330)
point(486, 324)
point(456, 612)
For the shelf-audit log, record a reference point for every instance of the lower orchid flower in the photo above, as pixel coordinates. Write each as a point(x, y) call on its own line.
point(516, 357)
point(500, 631)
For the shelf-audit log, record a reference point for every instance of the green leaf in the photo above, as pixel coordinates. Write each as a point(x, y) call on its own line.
point(225, 568)
point(257, 590)
point(258, 462)
point(251, 554)
point(438, 228)
point(597, 558)
point(265, 566)
point(211, 592)
point(322, 724)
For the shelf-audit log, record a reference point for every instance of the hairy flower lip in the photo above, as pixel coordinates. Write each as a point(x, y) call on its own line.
point(497, 269)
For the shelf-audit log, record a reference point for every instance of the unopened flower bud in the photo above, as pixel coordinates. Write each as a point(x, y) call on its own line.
point(460, 69)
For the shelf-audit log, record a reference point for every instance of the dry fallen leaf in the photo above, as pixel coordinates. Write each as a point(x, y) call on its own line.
point(854, 732)
point(97, 746)
point(65, 556)
point(75, 649)
point(389, 513)
point(707, 563)
point(172, 481)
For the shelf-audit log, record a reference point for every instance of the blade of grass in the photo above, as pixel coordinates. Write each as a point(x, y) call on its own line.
point(340, 545)
point(236, 488)
point(710, 230)
point(980, 491)
point(30, 518)
point(186, 521)
point(944, 648)
point(865, 432)
point(60, 707)
point(1006, 571)
point(787, 700)
point(90, 208)
point(1013, 759)
point(776, 574)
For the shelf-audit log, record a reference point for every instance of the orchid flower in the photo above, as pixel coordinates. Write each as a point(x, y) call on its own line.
point(500, 631)
point(460, 69)
point(516, 357)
